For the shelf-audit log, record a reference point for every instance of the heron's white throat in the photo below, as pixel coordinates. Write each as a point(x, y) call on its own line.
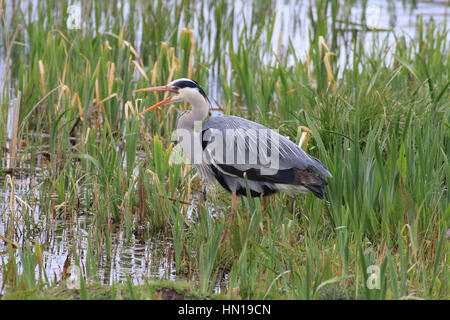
point(200, 106)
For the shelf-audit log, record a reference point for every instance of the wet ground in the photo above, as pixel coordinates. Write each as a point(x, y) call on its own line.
point(144, 256)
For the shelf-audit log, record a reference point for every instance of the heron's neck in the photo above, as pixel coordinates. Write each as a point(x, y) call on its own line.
point(199, 112)
point(200, 107)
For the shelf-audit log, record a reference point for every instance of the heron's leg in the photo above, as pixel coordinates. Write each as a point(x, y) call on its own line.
point(202, 199)
point(263, 204)
point(263, 207)
point(233, 203)
point(232, 215)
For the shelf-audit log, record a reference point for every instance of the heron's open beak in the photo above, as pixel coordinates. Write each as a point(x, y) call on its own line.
point(161, 88)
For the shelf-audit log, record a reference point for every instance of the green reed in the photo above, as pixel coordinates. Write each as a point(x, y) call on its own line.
point(381, 126)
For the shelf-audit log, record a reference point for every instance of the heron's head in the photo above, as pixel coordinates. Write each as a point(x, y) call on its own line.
point(181, 90)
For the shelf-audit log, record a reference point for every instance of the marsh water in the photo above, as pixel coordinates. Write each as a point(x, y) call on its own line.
point(144, 255)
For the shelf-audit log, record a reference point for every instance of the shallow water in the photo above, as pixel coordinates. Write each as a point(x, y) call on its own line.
point(142, 256)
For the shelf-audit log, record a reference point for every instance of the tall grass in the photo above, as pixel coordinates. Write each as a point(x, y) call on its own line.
point(380, 124)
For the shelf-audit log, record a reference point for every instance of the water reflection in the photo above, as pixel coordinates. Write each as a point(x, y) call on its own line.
point(140, 256)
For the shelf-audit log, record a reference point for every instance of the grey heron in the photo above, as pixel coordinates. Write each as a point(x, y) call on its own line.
point(254, 156)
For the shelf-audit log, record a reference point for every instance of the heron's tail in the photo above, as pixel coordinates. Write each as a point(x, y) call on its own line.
point(317, 188)
point(311, 182)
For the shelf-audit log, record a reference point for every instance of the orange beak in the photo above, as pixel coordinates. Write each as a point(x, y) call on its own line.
point(161, 88)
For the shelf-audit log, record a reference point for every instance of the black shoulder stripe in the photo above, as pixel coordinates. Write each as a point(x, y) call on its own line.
point(241, 191)
point(285, 176)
